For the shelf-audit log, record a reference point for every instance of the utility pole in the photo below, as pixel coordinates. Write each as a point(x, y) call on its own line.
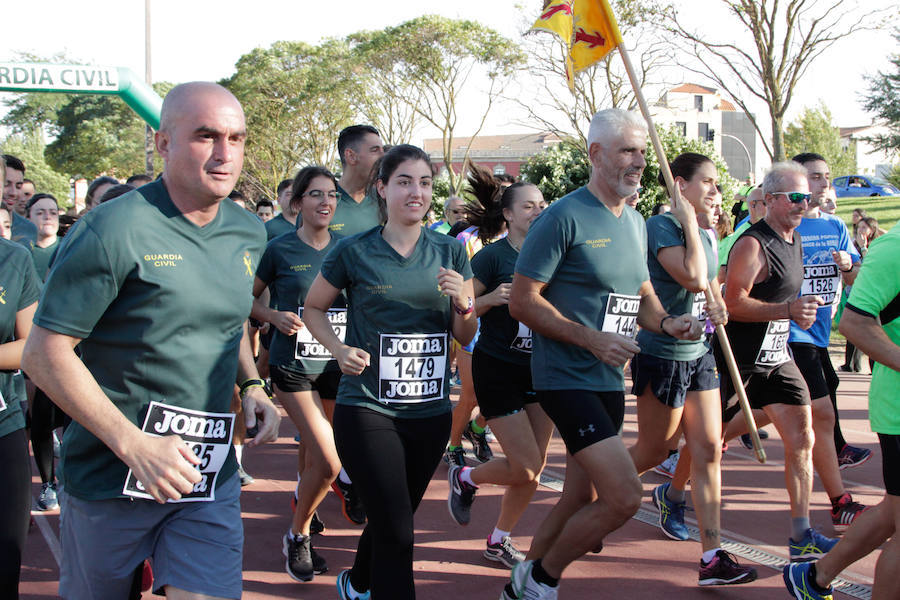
point(148, 131)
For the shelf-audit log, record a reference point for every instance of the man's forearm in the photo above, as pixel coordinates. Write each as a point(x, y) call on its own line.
point(537, 313)
point(866, 334)
point(51, 362)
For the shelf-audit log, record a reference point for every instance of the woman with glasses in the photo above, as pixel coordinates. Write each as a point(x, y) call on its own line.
point(304, 374)
point(676, 381)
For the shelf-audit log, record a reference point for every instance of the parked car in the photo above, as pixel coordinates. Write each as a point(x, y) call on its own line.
point(849, 186)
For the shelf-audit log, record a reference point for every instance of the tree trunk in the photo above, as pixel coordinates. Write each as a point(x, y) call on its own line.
point(778, 139)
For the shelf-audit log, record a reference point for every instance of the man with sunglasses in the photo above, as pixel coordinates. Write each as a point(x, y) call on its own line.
point(829, 260)
point(762, 294)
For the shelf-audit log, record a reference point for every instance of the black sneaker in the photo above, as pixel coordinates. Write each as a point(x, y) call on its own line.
point(460, 497)
point(351, 505)
point(504, 552)
point(316, 525)
point(298, 555)
point(455, 457)
point(480, 446)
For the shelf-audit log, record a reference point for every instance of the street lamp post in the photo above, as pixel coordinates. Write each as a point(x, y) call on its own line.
point(749, 158)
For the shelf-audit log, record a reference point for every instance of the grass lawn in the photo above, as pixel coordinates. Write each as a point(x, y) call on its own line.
point(884, 208)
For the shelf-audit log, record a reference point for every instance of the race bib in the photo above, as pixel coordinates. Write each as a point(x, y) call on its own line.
point(411, 367)
point(698, 306)
point(821, 280)
point(208, 435)
point(621, 315)
point(522, 343)
point(308, 348)
point(773, 350)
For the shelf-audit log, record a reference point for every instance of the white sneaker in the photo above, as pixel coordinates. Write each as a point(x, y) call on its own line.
point(667, 467)
point(526, 587)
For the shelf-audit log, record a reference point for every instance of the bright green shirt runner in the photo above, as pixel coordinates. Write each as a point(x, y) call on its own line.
point(19, 289)
point(594, 264)
point(161, 305)
point(876, 292)
point(664, 231)
point(352, 217)
point(398, 315)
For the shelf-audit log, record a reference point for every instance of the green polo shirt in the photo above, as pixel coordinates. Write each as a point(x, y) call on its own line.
point(289, 266)
point(43, 257)
point(398, 315)
point(161, 309)
point(727, 243)
point(664, 231)
point(278, 225)
point(876, 293)
point(587, 256)
point(19, 289)
point(352, 217)
point(23, 230)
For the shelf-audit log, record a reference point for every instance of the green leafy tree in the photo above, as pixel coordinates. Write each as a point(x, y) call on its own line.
point(296, 97)
point(432, 61)
point(883, 100)
point(564, 168)
point(813, 131)
point(29, 147)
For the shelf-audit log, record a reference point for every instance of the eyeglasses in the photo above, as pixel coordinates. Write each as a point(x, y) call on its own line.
point(794, 197)
point(319, 194)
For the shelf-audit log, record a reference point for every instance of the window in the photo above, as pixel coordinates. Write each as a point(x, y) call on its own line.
point(703, 131)
point(681, 126)
point(698, 103)
point(499, 169)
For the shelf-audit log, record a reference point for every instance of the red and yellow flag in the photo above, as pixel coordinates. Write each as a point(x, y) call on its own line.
point(588, 28)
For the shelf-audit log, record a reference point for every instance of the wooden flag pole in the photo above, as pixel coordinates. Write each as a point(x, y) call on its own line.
point(720, 330)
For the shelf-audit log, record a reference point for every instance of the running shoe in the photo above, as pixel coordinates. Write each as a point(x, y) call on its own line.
point(351, 505)
point(723, 569)
point(812, 546)
point(799, 584)
point(507, 593)
point(480, 446)
point(851, 456)
point(747, 441)
point(316, 525)
point(47, 499)
point(845, 513)
point(343, 587)
point(455, 457)
point(526, 588)
point(302, 562)
point(246, 479)
point(504, 552)
point(671, 514)
point(667, 467)
point(460, 497)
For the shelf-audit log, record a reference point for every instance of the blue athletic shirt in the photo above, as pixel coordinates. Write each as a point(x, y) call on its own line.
point(820, 273)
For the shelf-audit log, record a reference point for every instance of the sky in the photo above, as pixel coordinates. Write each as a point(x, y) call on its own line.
point(199, 39)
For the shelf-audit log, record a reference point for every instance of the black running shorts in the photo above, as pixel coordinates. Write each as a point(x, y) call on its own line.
point(584, 417)
point(782, 385)
point(502, 388)
point(289, 380)
point(890, 462)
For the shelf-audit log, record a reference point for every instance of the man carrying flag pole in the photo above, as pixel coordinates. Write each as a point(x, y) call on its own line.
point(583, 308)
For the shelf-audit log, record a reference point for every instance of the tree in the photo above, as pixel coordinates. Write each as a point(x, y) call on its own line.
point(564, 168)
point(554, 108)
point(92, 134)
point(376, 97)
point(779, 43)
point(29, 147)
point(883, 99)
point(432, 60)
point(813, 132)
point(296, 97)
